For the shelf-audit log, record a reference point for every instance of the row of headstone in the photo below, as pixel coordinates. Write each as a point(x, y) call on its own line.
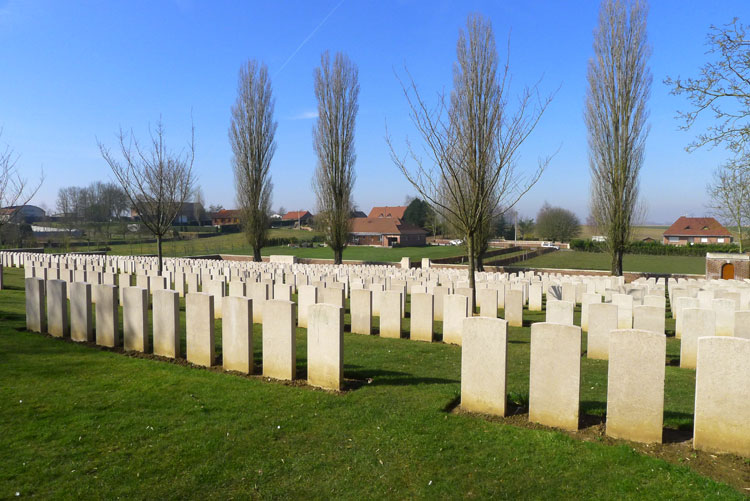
point(47, 307)
point(635, 382)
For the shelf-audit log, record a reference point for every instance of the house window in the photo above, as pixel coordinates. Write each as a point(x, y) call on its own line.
point(704, 240)
point(720, 240)
point(674, 239)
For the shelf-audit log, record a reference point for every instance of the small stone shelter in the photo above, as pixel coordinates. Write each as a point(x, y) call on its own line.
point(727, 266)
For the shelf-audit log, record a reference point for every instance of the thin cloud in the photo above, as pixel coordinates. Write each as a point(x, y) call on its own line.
point(305, 115)
point(14, 12)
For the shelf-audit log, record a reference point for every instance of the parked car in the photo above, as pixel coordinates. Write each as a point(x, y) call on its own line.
point(457, 242)
point(550, 245)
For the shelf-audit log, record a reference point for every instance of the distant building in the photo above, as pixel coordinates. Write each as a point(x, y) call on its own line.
point(697, 230)
point(386, 232)
point(358, 213)
point(388, 212)
point(22, 214)
point(190, 213)
point(301, 217)
point(225, 217)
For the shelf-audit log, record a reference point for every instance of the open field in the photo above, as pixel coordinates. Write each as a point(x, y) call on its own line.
point(631, 262)
point(217, 244)
point(374, 254)
point(84, 422)
point(235, 243)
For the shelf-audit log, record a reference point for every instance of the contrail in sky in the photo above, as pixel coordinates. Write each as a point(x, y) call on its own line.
point(308, 38)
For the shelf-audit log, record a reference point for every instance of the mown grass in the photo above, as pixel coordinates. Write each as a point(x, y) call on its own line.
point(236, 243)
point(229, 243)
point(577, 260)
point(80, 422)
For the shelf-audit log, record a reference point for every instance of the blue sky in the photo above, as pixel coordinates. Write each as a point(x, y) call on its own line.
point(72, 72)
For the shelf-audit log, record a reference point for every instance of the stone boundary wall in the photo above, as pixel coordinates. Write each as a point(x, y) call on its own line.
point(33, 250)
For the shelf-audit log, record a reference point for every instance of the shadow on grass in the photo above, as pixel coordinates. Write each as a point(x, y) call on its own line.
point(381, 377)
point(14, 317)
point(452, 404)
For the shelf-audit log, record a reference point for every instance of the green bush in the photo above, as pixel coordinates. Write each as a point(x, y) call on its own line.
point(656, 248)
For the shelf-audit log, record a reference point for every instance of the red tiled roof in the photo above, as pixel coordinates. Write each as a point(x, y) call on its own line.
point(697, 227)
point(395, 212)
point(294, 215)
point(383, 226)
point(226, 213)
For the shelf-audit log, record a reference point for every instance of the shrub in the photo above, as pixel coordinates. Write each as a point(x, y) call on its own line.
point(656, 248)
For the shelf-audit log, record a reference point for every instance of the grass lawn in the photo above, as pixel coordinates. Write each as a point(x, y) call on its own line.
point(82, 422)
point(377, 254)
point(632, 262)
point(235, 243)
point(230, 243)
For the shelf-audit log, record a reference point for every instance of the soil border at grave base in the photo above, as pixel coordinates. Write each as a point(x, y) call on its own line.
point(300, 380)
point(676, 448)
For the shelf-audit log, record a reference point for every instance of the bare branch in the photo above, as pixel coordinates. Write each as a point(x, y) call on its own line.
point(156, 180)
point(15, 191)
point(471, 140)
point(723, 87)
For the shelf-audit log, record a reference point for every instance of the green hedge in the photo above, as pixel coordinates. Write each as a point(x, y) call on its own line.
point(277, 242)
point(656, 248)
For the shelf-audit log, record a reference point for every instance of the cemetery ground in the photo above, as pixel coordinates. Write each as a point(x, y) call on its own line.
point(86, 422)
point(577, 260)
point(235, 243)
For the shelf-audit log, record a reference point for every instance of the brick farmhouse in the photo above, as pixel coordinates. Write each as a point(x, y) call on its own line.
point(393, 212)
point(301, 217)
point(386, 232)
point(225, 217)
point(696, 230)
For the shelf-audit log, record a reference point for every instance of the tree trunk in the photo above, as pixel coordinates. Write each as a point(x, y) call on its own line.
point(617, 261)
point(739, 229)
point(158, 250)
point(338, 256)
point(256, 255)
point(470, 249)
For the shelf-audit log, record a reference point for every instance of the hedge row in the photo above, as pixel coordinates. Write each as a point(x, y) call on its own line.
point(656, 248)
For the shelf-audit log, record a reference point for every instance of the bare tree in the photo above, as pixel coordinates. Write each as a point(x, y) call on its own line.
point(722, 89)
point(252, 133)
point(15, 191)
point(730, 193)
point(472, 141)
point(156, 180)
point(199, 203)
point(337, 92)
point(619, 86)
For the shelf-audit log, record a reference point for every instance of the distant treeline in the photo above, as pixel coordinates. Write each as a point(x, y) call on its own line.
point(655, 248)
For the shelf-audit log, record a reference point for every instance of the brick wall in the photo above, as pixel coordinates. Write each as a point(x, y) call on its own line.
point(714, 266)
